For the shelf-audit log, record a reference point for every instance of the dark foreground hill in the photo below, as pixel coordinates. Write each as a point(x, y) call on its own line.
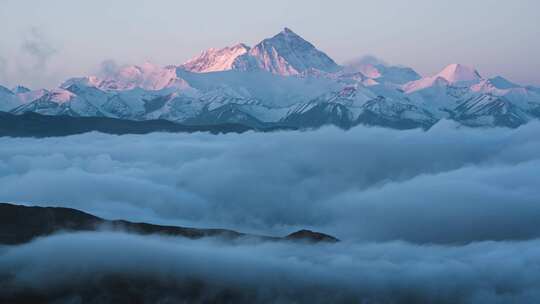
point(20, 224)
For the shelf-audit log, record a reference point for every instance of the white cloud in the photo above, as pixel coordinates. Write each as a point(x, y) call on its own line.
point(93, 266)
point(445, 185)
point(473, 191)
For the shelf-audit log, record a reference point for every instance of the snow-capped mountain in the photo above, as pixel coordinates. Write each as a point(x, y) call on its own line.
point(461, 93)
point(454, 74)
point(284, 54)
point(147, 76)
point(60, 102)
point(289, 54)
point(285, 80)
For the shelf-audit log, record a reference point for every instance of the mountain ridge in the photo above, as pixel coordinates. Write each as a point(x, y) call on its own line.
point(285, 79)
point(20, 224)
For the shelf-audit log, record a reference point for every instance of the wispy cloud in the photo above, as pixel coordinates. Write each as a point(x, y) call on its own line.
point(38, 48)
point(108, 68)
point(32, 62)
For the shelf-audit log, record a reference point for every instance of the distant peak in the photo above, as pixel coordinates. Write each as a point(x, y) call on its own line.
point(502, 83)
point(287, 30)
point(20, 89)
point(285, 53)
point(459, 73)
point(287, 36)
point(458, 68)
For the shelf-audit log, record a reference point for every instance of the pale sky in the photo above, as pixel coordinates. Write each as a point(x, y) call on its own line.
point(47, 41)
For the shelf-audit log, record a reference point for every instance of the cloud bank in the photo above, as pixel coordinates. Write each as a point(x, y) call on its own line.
point(446, 185)
point(103, 267)
point(448, 215)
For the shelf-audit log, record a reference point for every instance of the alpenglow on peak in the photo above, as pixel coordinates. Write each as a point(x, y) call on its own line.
point(455, 73)
point(284, 54)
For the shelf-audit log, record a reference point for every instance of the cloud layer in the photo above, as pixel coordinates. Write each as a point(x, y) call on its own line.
point(100, 267)
point(448, 215)
point(445, 185)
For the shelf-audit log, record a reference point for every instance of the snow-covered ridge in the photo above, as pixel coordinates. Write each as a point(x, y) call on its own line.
point(285, 80)
point(453, 74)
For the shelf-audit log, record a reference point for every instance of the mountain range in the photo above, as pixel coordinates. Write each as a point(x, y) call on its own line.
point(284, 81)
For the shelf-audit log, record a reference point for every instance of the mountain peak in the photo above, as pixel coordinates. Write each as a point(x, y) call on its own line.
point(20, 89)
point(456, 72)
point(285, 54)
point(289, 54)
point(502, 83)
point(214, 60)
point(287, 32)
point(288, 35)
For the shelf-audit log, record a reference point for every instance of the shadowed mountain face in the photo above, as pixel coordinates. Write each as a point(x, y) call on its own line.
point(21, 224)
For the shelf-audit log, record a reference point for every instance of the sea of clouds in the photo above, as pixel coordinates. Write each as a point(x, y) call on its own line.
point(82, 267)
point(447, 215)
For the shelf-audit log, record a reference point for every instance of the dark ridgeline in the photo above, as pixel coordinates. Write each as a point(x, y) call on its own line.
point(31, 124)
point(20, 224)
point(312, 236)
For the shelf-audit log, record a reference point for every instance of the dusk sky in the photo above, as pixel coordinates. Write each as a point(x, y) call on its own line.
point(45, 42)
